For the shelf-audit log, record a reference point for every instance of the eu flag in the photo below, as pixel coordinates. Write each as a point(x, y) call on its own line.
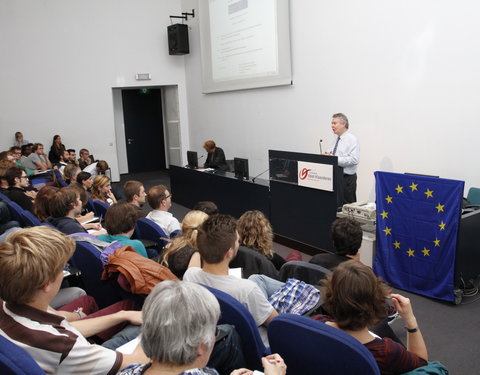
point(417, 226)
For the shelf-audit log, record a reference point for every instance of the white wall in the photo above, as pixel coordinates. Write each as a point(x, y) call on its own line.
point(61, 59)
point(406, 73)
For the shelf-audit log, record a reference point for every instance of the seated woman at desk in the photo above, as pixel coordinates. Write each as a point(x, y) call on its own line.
point(215, 157)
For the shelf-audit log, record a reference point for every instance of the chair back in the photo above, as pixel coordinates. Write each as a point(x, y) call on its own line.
point(89, 206)
point(16, 361)
point(233, 312)
point(60, 181)
point(304, 271)
point(87, 259)
point(29, 219)
point(252, 262)
point(100, 208)
point(16, 212)
point(146, 229)
point(4, 197)
point(473, 196)
point(309, 346)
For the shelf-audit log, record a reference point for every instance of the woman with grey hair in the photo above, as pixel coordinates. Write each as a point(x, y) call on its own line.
point(178, 333)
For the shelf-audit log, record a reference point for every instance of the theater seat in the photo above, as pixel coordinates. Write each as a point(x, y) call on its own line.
point(16, 361)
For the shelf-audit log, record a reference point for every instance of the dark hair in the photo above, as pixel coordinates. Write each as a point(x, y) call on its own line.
point(130, 188)
point(42, 202)
point(354, 296)
point(24, 147)
point(209, 207)
point(71, 150)
point(81, 192)
point(215, 237)
point(120, 218)
point(14, 148)
point(63, 201)
point(346, 236)
point(13, 173)
point(156, 195)
point(83, 176)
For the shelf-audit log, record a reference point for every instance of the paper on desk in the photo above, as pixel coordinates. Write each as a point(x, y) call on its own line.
point(130, 346)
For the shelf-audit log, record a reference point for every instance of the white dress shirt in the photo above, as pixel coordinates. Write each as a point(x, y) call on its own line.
point(348, 152)
point(164, 220)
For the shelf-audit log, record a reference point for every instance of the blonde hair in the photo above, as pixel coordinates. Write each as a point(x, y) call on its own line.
point(30, 259)
point(256, 232)
point(99, 182)
point(190, 224)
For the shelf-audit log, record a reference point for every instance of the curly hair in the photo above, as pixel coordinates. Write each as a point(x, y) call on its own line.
point(256, 232)
point(354, 296)
point(190, 224)
point(346, 236)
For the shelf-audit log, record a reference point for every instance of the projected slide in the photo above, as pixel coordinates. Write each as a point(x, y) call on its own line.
point(243, 36)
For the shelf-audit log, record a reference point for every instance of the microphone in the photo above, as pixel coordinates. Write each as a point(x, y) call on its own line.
point(258, 175)
point(320, 145)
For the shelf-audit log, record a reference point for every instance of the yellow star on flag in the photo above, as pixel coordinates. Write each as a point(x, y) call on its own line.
point(429, 193)
point(436, 242)
point(411, 252)
point(399, 189)
point(440, 207)
point(388, 231)
point(396, 244)
point(388, 199)
point(384, 214)
point(442, 225)
point(413, 186)
point(426, 252)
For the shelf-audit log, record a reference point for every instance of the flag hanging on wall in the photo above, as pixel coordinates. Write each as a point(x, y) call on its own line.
point(417, 226)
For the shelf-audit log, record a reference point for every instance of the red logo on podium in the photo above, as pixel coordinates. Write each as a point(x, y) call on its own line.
point(304, 173)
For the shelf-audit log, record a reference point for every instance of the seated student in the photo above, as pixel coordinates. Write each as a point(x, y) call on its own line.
point(65, 206)
point(19, 140)
point(174, 345)
point(32, 262)
point(209, 207)
point(62, 161)
point(215, 157)
point(84, 159)
point(355, 301)
point(4, 167)
point(102, 190)
point(120, 224)
point(70, 173)
point(182, 251)
point(18, 182)
point(347, 238)
point(17, 154)
point(85, 179)
point(134, 192)
point(217, 242)
point(160, 200)
point(72, 157)
point(97, 168)
point(42, 201)
point(39, 158)
point(256, 233)
point(26, 151)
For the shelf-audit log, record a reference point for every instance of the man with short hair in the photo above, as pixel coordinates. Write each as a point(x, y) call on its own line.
point(134, 193)
point(17, 180)
point(347, 238)
point(347, 149)
point(96, 168)
point(215, 157)
point(72, 156)
point(160, 200)
point(84, 160)
point(32, 262)
point(39, 157)
point(17, 154)
point(217, 242)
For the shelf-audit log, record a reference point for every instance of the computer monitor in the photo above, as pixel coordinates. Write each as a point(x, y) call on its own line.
point(192, 159)
point(241, 168)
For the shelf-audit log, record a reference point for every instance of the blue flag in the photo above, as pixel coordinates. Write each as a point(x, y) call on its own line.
point(417, 226)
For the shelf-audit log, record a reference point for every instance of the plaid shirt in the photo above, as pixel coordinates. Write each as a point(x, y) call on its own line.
point(295, 297)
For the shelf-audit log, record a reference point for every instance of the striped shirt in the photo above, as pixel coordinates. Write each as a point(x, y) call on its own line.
point(53, 343)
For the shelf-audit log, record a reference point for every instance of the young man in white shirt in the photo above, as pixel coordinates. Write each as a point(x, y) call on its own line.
point(160, 199)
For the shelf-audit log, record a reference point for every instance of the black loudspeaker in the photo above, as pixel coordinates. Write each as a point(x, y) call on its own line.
point(178, 39)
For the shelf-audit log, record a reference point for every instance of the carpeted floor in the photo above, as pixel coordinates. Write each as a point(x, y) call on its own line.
point(450, 331)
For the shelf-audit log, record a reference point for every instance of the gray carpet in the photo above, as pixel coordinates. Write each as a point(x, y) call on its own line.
point(449, 330)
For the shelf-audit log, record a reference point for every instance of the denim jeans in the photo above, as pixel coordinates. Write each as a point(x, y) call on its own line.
point(125, 335)
point(266, 284)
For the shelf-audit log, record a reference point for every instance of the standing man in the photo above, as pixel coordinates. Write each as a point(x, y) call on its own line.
point(347, 149)
point(215, 157)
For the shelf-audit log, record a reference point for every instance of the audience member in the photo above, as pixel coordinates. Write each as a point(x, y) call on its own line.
point(134, 193)
point(120, 224)
point(17, 183)
point(102, 190)
point(347, 238)
point(215, 157)
point(209, 207)
point(256, 233)
point(19, 141)
point(160, 200)
point(70, 173)
point(72, 156)
point(85, 179)
point(17, 154)
point(42, 202)
point(182, 252)
point(174, 345)
point(97, 168)
point(217, 242)
point(26, 151)
point(32, 262)
point(7, 155)
point(4, 167)
point(63, 161)
point(355, 301)
point(56, 150)
point(39, 158)
point(84, 159)
point(86, 216)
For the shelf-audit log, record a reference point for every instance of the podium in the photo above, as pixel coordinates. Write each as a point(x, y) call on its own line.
point(305, 192)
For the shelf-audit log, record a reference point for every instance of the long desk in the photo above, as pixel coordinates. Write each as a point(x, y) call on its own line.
point(232, 196)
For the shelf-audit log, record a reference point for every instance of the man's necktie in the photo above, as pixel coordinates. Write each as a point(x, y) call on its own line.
point(336, 145)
